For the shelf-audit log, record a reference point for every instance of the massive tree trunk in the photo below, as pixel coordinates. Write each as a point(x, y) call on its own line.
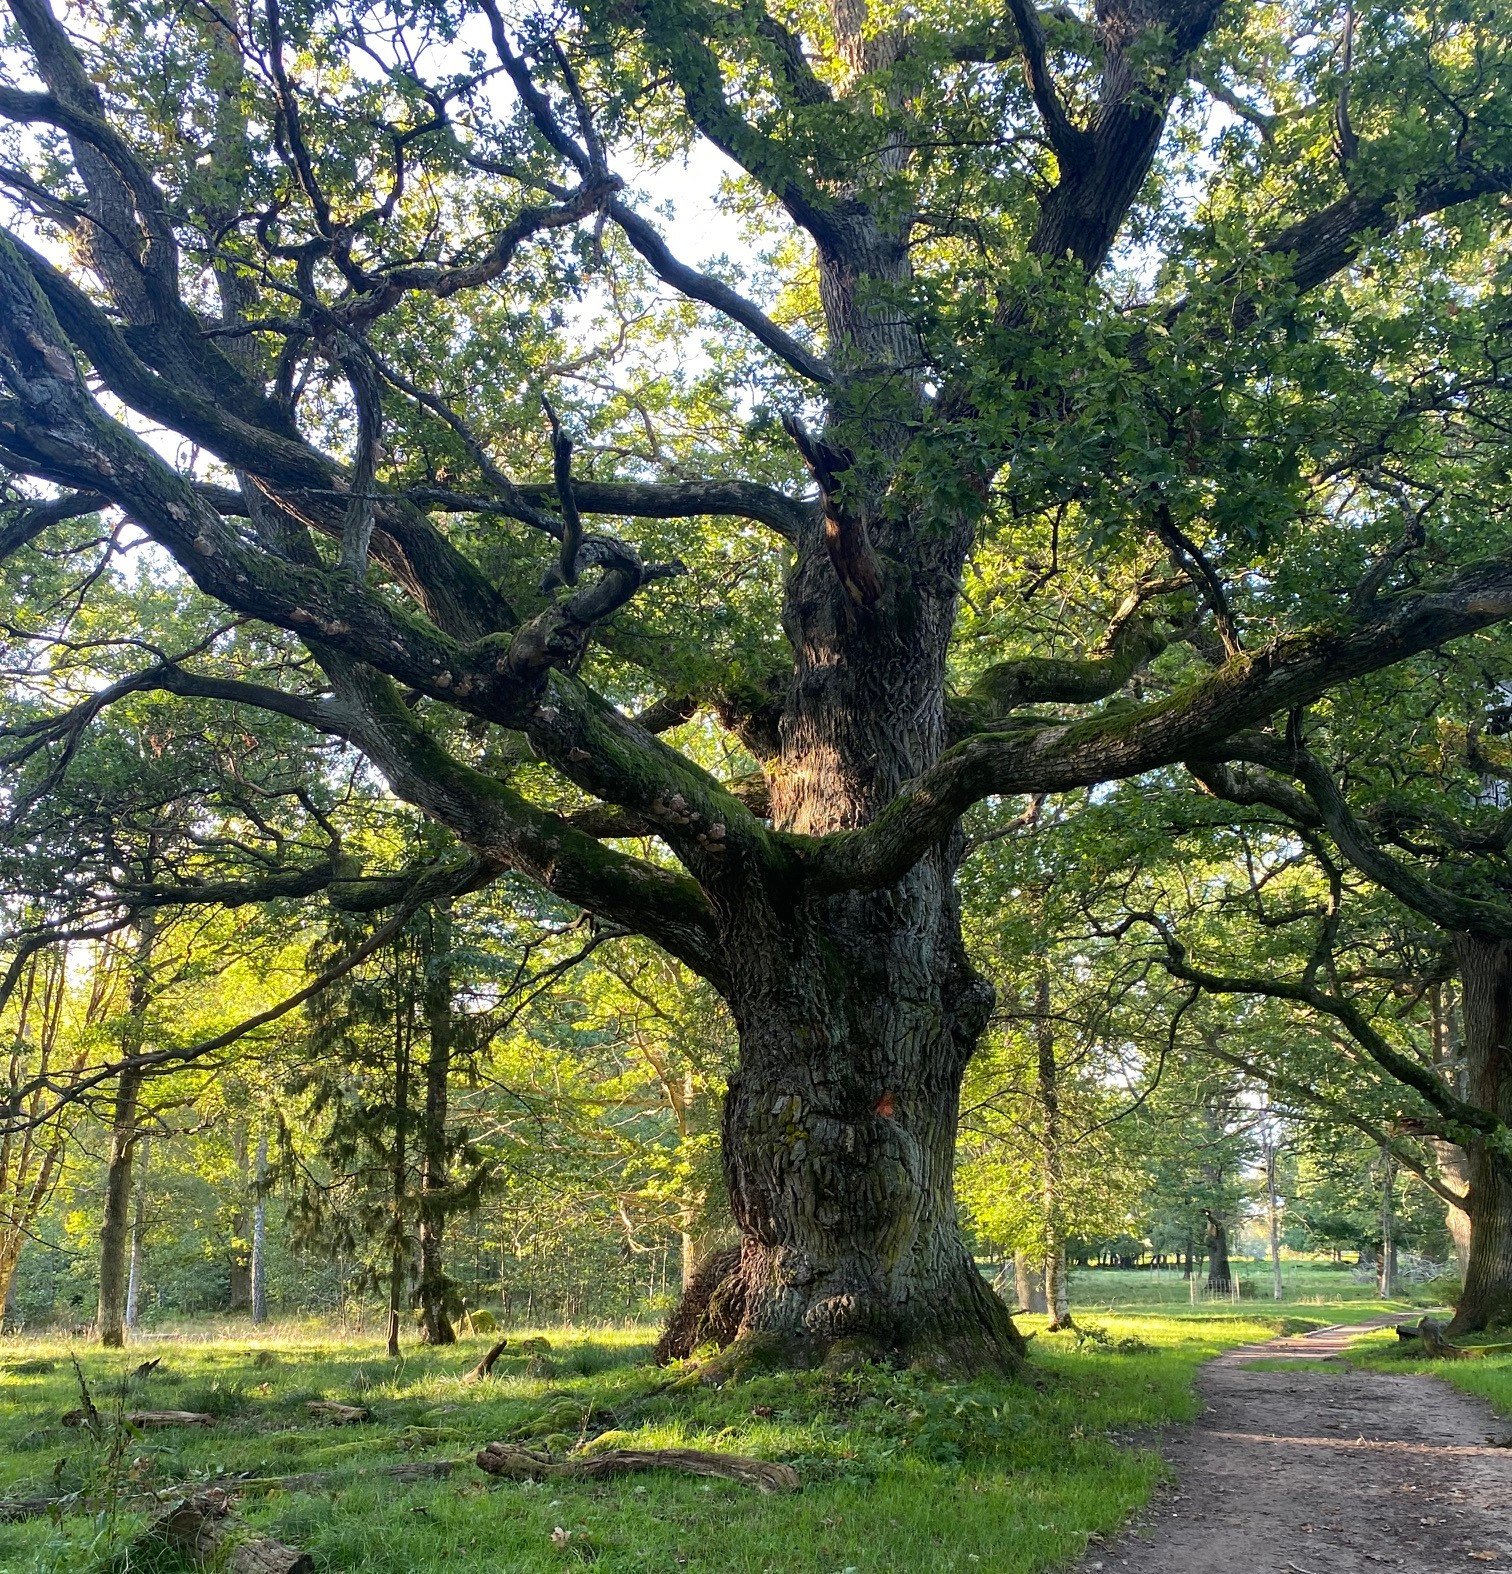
point(839, 1137)
point(858, 1012)
point(1485, 967)
point(434, 1288)
point(1220, 1278)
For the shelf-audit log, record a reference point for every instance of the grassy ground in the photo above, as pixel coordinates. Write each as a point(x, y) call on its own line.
point(899, 1473)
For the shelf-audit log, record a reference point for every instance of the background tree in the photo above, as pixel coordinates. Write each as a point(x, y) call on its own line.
point(50, 1027)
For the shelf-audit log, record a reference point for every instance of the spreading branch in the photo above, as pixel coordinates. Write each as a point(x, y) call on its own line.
point(1245, 690)
point(1459, 1117)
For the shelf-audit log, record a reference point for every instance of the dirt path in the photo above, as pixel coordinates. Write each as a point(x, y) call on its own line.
point(1328, 1472)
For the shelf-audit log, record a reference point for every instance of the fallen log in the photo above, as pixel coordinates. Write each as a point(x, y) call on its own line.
point(146, 1419)
point(339, 1414)
point(527, 1464)
point(201, 1528)
point(486, 1365)
point(13, 1510)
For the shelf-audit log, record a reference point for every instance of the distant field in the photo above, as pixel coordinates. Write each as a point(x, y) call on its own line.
point(1306, 1282)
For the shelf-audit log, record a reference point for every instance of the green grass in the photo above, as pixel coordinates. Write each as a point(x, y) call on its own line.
point(900, 1473)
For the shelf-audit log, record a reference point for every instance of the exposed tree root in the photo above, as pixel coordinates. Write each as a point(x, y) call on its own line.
point(1438, 1346)
point(709, 1310)
point(527, 1464)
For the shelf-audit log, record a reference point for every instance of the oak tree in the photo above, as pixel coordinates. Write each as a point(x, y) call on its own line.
point(645, 575)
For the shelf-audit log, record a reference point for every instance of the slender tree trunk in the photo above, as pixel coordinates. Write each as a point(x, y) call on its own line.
point(399, 1173)
point(138, 1210)
point(239, 1268)
point(1485, 968)
point(1057, 1289)
point(1454, 1167)
point(1028, 1283)
point(115, 1222)
point(1453, 1162)
point(259, 1264)
point(696, 1239)
point(1273, 1220)
point(10, 1257)
point(436, 1325)
point(1386, 1266)
point(695, 1246)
